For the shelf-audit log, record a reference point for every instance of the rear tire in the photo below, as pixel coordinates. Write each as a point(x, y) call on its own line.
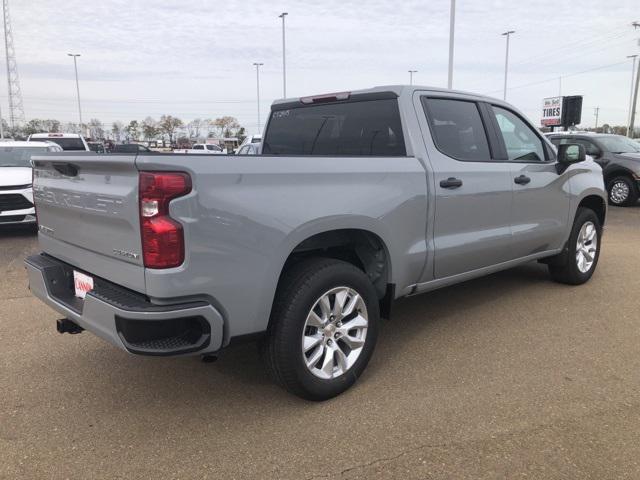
point(316, 348)
point(583, 250)
point(622, 191)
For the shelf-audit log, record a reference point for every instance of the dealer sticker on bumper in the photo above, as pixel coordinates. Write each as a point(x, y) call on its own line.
point(82, 284)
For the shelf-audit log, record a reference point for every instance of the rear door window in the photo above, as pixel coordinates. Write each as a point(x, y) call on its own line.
point(457, 128)
point(370, 127)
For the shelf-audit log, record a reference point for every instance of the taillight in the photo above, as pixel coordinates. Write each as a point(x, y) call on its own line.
point(162, 236)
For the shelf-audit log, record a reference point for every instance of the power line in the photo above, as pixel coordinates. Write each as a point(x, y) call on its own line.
point(553, 79)
point(573, 56)
point(581, 45)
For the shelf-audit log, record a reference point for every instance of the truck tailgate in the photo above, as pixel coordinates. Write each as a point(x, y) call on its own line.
point(87, 208)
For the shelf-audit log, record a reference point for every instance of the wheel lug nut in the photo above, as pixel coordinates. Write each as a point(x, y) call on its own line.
point(339, 324)
point(329, 342)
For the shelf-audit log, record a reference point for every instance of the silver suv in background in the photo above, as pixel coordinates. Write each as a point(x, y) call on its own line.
point(357, 199)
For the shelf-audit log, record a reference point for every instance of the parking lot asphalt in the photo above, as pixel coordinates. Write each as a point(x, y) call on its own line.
point(508, 376)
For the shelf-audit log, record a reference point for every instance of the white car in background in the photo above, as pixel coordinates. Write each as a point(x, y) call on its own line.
point(16, 193)
point(202, 149)
point(68, 141)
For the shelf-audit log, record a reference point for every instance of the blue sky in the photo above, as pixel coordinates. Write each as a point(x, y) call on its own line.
point(193, 58)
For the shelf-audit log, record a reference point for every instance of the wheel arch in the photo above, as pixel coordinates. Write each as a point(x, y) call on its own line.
point(597, 204)
point(362, 242)
point(616, 171)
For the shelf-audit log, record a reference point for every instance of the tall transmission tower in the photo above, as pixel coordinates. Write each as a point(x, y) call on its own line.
point(16, 110)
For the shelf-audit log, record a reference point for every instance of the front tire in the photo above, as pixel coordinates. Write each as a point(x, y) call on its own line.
point(583, 250)
point(622, 191)
point(323, 328)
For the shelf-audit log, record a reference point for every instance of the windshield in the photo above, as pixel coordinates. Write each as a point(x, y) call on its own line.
point(619, 144)
point(18, 157)
point(65, 143)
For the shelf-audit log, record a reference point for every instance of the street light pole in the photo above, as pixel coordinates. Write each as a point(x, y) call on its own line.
point(452, 23)
point(633, 71)
point(506, 62)
point(634, 101)
point(75, 66)
point(284, 58)
point(411, 72)
point(258, 65)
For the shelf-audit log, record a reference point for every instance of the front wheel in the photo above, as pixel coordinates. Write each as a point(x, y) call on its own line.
point(323, 328)
point(583, 250)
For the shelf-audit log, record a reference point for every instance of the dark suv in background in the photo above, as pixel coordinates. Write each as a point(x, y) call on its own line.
point(619, 158)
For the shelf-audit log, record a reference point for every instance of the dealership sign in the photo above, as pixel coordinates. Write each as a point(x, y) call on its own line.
point(551, 111)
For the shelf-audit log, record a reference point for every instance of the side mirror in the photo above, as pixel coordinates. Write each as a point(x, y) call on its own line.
point(568, 154)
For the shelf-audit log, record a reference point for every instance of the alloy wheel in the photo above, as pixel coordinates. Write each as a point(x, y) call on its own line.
point(586, 247)
point(334, 333)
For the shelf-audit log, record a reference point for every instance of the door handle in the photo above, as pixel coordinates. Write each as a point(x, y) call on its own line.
point(67, 169)
point(522, 180)
point(451, 182)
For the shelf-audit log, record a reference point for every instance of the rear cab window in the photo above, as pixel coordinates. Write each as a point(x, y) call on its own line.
point(356, 127)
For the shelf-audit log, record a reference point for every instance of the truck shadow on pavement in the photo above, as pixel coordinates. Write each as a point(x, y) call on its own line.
point(239, 373)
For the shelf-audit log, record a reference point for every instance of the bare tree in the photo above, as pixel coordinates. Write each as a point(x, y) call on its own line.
point(96, 129)
point(117, 128)
point(132, 130)
point(226, 126)
point(70, 127)
point(168, 126)
point(194, 128)
point(150, 128)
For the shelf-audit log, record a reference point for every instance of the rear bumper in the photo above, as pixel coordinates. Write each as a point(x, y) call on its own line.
point(125, 318)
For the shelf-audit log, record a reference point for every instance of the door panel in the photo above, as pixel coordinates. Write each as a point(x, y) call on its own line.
point(540, 209)
point(471, 227)
point(540, 195)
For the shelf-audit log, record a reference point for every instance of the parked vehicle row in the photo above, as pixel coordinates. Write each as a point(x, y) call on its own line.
point(357, 199)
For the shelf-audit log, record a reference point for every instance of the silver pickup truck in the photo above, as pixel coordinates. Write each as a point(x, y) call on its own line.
point(357, 199)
